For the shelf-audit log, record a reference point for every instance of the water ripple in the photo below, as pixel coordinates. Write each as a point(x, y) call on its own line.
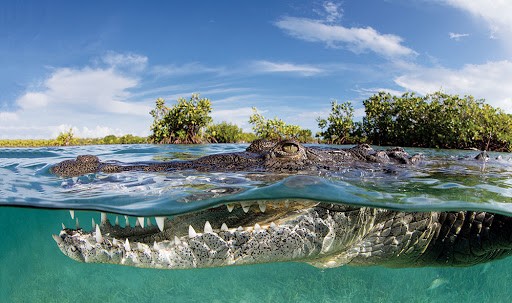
point(446, 180)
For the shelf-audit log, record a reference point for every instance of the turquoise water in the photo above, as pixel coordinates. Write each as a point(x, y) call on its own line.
point(35, 203)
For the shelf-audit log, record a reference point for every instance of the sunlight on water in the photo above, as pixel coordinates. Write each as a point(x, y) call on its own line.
point(445, 180)
point(34, 270)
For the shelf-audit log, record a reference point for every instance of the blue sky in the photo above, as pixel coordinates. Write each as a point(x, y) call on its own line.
point(97, 67)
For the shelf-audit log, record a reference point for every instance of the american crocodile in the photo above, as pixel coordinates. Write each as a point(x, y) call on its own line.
point(319, 233)
point(261, 155)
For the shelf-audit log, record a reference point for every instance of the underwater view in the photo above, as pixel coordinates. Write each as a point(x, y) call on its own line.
point(126, 172)
point(36, 204)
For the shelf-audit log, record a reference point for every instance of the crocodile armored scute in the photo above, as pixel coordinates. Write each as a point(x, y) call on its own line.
point(319, 233)
point(261, 155)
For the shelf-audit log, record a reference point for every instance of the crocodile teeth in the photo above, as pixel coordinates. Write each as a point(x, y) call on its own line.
point(148, 222)
point(88, 246)
point(98, 236)
point(160, 222)
point(72, 213)
point(141, 221)
point(103, 217)
point(57, 239)
point(245, 206)
point(117, 220)
point(93, 223)
point(177, 240)
point(191, 232)
point(63, 226)
point(127, 222)
point(77, 224)
point(224, 227)
point(257, 227)
point(262, 206)
point(127, 245)
point(230, 207)
point(208, 228)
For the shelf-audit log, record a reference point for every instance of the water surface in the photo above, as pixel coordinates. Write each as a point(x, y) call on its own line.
point(445, 180)
point(35, 203)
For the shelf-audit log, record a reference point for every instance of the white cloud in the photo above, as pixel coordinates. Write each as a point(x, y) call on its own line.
point(457, 36)
point(367, 92)
point(8, 117)
point(248, 98)
point(285, 67)
point(9, 131)
point(302, 116)
point(239, 116)
point(359, 113)
point(131, 61)
point(90, 89)
point(355, 39)
point(495, 12)
point(32, 100)
point(86, 132)
point(94, 101)
point(490, 81)
point(333, 11)
point(92, 85)
point(186, 69)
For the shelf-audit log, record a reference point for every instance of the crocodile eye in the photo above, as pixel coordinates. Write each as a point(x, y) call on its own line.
point(290, 148)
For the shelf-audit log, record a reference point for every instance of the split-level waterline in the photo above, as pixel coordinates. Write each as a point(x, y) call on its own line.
point(321, 234)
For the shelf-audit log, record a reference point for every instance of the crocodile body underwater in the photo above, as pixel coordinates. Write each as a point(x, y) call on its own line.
point(319, 233)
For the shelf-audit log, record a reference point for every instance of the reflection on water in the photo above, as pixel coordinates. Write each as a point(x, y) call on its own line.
point(445, 180)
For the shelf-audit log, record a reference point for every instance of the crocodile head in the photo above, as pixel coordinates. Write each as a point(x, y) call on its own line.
point(318, 233)
point(261, 155)
point(231, 234)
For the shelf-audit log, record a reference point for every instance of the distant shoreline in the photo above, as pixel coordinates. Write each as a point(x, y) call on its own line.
point(35, 143)
point(70, 141)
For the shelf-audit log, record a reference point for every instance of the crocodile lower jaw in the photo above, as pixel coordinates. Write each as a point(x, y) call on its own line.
point(225, 235)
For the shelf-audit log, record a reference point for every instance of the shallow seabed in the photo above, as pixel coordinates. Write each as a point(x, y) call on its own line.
point(32, 268)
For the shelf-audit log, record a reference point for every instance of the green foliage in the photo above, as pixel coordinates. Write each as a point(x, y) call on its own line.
point(126, 139)
point(66, 138)
point(26, 142)
point(337, 127)
point(247, 138)
point(131, 139)
point(182, 122)
point(224, 133)
point(436, 120)
point(277, 129)
point(110, 139)
point(305, 136)
point(63, 138)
